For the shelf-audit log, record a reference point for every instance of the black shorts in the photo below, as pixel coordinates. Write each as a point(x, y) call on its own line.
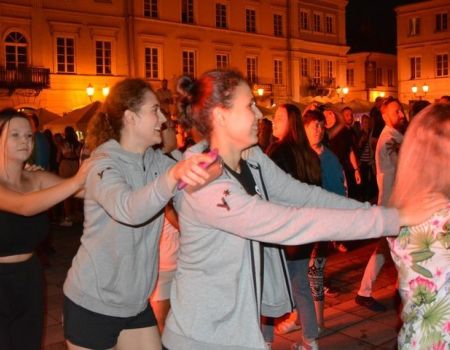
point(92, 330)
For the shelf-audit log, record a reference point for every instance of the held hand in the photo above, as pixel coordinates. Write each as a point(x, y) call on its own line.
point(189, 170)
point(33, 167)
point(421, 207)
point(83, 171)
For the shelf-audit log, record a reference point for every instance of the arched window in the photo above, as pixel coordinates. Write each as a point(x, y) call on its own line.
point(16, 47)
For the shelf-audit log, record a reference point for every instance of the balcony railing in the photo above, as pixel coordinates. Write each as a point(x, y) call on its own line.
point(24, 78)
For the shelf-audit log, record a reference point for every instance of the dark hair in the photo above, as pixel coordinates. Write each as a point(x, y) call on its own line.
point(215, 88)
point(387, 101)
point(313, 115)
point(306, 160)
point(417, 107)
point(127, 94)
point(7, 114)
point(346, 108)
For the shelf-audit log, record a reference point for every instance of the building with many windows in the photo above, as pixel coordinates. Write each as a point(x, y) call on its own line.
point(51, 50)
point(423, 47)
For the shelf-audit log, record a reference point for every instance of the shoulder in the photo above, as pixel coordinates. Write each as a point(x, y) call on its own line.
point(40, 179)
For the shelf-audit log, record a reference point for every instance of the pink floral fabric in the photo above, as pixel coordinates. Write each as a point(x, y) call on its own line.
point(422, 256)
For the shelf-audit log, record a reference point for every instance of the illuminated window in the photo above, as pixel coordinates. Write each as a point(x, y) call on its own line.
point(277, 25)
point(189, 62)
point(65, 55)
point(441, 22)
point(222, 61)
point(304, 64)
point(187, 11)
point(151, 8)
point(278, 71)
point(252, 69)
point(415, 65)
point(103, 57)
point(250, 20)
point(414, 26)
point(152, 63)
point(221, 16)
point(350, 77)
point(442, 65)
point(16, 50)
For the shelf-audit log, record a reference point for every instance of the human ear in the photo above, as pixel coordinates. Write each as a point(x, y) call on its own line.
point(129, 117)
point(218, 115)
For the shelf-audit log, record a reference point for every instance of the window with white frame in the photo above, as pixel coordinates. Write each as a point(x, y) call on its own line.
point(442, 65)
point(414, 26)
point(277, 25)
point(441, 22)
point(390, 77)
point(415, 67)
point(329, 66)
point(304, 20)
point(152, 66)
point(16, 51)
point(379, 73)
point(189, 63)
point(103, 56)
point(304, 67)
point(278, 71)
point(250, 20)
point(65, 55)
point(221, 15)
point(252, 69)
point(317, 72)
point(350, 77)
point(187, 11)
point(222, 60)
point(151, 8)
point(329, 28)
point(317, 22)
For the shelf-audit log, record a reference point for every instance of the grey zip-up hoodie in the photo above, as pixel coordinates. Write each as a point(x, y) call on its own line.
point(217, 297)
point(116, 266)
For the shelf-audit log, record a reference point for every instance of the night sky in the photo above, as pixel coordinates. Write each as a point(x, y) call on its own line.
point(371, 25)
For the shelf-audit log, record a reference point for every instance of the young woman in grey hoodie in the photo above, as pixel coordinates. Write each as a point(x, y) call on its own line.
point(115, 269)
point(225, 280)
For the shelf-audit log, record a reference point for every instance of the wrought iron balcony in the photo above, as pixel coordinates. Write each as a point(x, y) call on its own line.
point(32, 78)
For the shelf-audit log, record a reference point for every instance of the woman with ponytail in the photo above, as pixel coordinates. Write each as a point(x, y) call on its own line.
point(115, 269)
point(225, 279)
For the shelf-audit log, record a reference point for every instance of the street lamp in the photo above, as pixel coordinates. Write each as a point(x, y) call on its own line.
point(415, 89)
point(90, 91)
point(260, 92)
point(342, 92)
point(105, 90)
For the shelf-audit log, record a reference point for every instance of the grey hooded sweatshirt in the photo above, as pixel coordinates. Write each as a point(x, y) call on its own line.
point(116, 266)
point(218, 293)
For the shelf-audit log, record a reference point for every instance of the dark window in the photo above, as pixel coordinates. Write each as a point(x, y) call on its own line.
point(103, 57)
point(151, 63)
point(16, 51)
point(151, 8)
point(221, 16)
point(277, 25)
point(187, 11)
point(189, 63)
point(65, 55)
point(250, 21)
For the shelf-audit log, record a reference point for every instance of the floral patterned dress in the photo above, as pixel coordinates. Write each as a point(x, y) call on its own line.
point(422, 256)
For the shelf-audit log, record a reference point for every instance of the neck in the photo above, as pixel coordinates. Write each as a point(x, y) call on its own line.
point(230, 155)
point(129, 144)
point(11, 172)
point(318, 148)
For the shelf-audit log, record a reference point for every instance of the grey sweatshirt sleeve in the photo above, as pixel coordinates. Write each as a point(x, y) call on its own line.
point(283, 188)
point(107, 186)
point(224, 205)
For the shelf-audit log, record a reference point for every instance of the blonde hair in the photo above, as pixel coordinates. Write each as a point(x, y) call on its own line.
point(424, 157)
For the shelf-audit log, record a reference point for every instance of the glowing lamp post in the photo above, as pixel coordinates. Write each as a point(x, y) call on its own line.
point(260, 92)
point(105, 90)
point(342, 92)
point(90, 91)
point(415, 89)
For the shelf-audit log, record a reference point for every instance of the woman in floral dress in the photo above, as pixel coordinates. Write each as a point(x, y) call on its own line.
point(422, 253)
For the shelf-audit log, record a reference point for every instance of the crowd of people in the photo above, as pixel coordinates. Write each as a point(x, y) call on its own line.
point(212, 263)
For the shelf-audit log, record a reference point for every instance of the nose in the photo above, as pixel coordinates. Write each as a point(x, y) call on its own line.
point(161, 116)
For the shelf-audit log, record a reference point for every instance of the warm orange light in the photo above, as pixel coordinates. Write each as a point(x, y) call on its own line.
point(382, 94)
point(345, 90)
point(105, 90)
point(425, 88)
point(90, 91)
point(414, 89)
point(260, 91)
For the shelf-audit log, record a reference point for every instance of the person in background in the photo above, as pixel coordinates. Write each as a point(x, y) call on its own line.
point(377, 118)
point(68, 166)
point(421, 252)
point(293, 154)
point(41, 150)
point(165, 98)
point(218, 296)
point(366, 156)
point(264, 133)
point(445, 99)
point(25, 196)
point(386, 155)
point(416, 107)
point(116, 266)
